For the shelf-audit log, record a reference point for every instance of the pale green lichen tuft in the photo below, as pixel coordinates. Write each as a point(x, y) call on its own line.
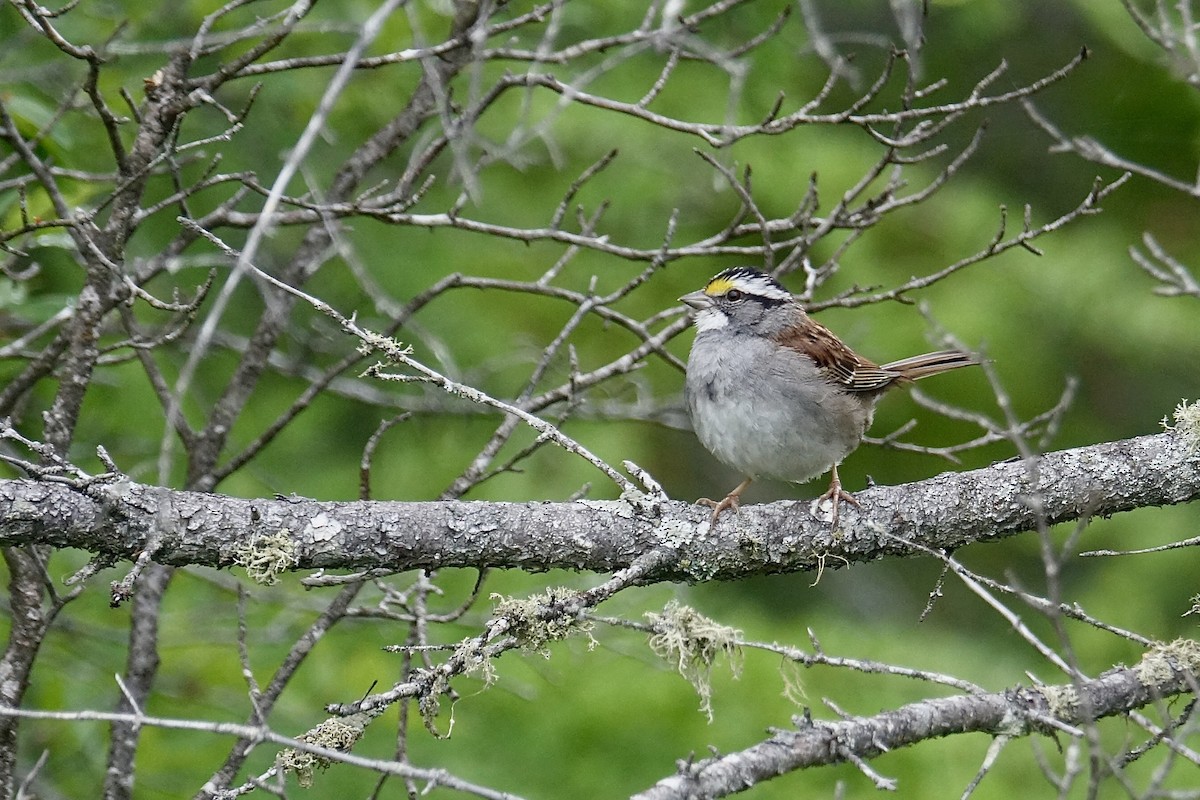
point(266, 556)
point(335, 733)
point(1186, 425)
point(533, 621)
point(1164, 661)
point(472, 653)
point(1063, 701)
point(693, 642)
point(793, 683)
point(539, 619)
point(430, 702)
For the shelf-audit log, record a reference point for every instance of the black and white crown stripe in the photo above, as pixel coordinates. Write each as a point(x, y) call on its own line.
point(748, 280)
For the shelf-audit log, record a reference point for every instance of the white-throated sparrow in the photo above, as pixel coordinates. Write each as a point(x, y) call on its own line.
point(773, 393)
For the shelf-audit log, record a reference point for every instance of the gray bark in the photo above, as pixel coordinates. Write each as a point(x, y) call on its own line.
point(122, 519)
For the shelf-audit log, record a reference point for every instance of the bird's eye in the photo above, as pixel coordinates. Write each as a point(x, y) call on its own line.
point(735, 295)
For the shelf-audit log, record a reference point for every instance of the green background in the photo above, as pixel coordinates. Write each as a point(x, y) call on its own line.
point(608, 720)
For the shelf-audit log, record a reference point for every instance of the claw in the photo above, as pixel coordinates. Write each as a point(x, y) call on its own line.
point(731, 501)
point(837, 495)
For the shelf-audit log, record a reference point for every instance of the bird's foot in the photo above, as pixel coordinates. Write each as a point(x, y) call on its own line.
point(732, 500)
point(837, 495)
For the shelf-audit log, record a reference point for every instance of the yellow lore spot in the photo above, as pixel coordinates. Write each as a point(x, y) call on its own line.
point(718, 287)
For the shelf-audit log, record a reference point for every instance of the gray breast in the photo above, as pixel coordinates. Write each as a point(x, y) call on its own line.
point(767, 411)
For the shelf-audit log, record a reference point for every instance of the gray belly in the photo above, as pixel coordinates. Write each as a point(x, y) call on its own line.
point(771, 416)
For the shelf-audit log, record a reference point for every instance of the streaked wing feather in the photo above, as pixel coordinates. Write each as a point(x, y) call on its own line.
point(843, 366)
point(857, 374)
point(923, 366)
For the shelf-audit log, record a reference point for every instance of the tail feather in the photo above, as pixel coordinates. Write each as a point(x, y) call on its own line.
point(923, 366)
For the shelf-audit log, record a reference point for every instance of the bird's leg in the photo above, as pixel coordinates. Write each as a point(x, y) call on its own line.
point(730, 501)
point(836, 494)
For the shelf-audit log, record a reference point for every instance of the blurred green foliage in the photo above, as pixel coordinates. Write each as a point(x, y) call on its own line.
point(610, 720)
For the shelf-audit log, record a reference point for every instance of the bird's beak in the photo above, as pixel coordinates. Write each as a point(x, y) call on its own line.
point(697, 300)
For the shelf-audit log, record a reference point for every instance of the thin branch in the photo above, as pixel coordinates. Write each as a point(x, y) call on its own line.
point(1014, 712)
point(432, 777)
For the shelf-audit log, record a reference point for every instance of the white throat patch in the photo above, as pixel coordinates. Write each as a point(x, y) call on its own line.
point(710, 320)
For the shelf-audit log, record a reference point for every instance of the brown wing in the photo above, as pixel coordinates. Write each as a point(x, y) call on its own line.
point(843, 366)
